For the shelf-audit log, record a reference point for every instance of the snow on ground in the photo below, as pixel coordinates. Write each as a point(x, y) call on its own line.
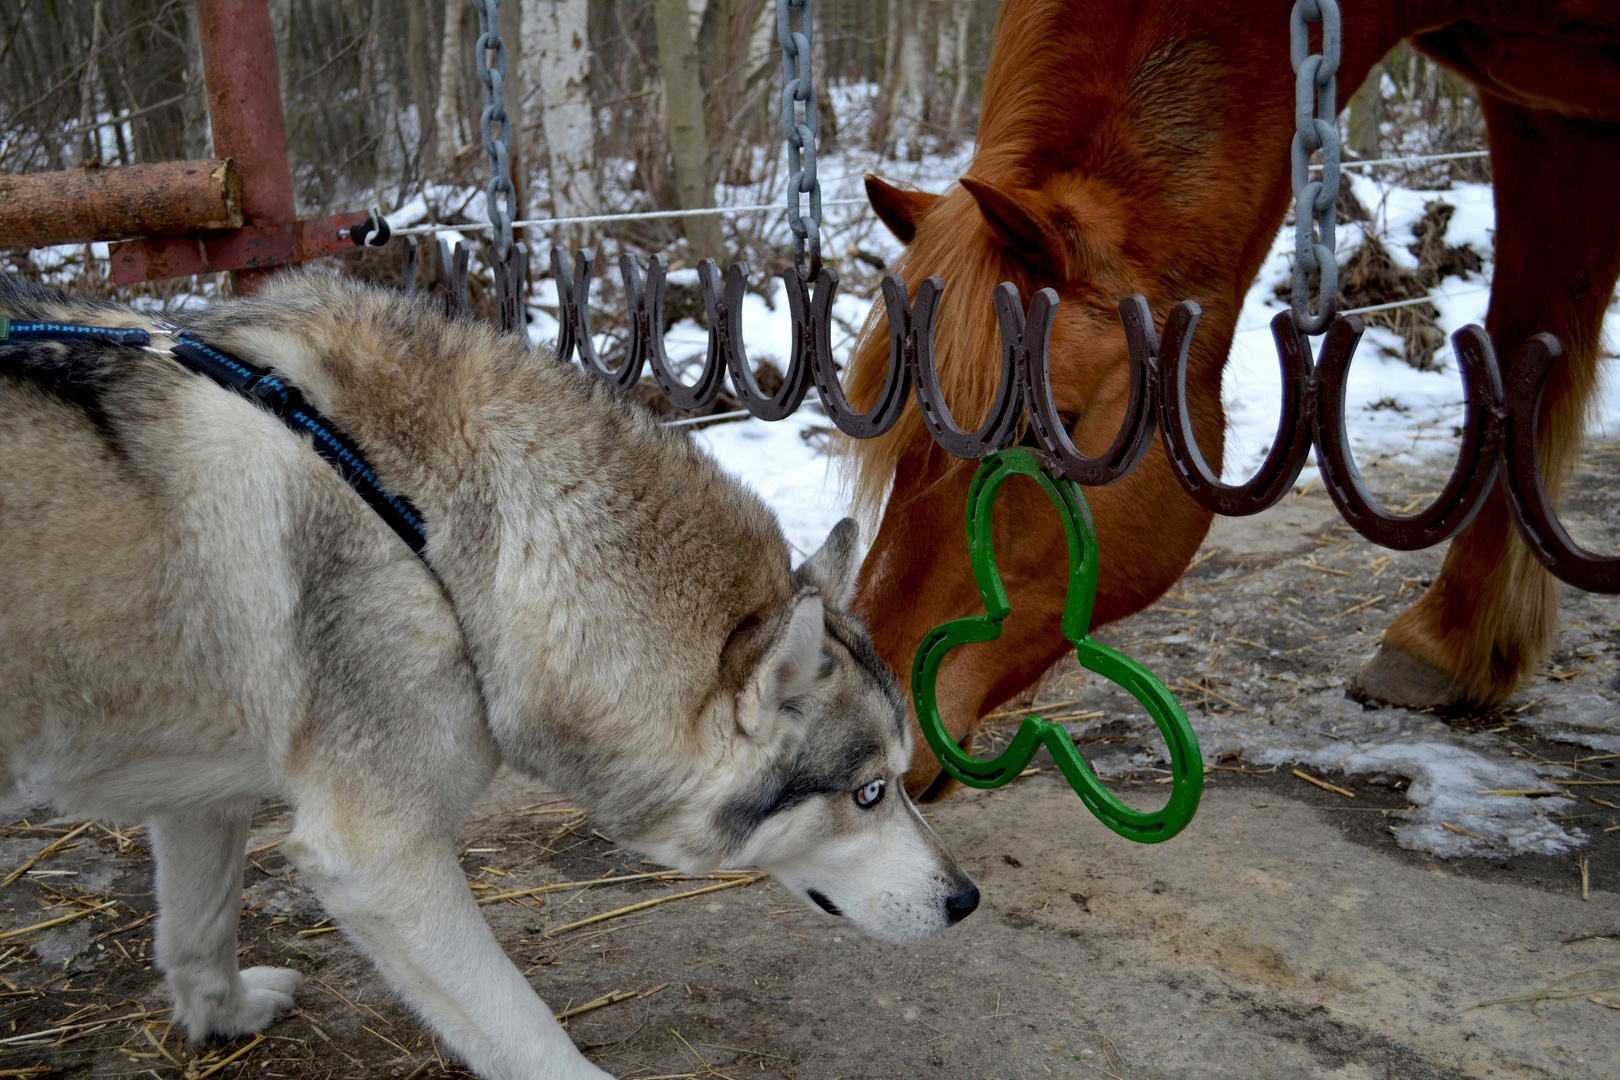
point(788, 464)
point(1430, 401)
point(1451, 774)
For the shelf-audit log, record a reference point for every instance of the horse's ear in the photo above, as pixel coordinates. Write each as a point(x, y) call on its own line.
point(1023, 219)
point(899, 210)
point(1070, 230)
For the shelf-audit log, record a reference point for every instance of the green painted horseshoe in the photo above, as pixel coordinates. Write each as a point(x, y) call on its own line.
point(1186, 763)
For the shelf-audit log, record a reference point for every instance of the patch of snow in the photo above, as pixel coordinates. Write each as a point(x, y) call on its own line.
point(1450, 777)
point(787, 464)
point(1449, 786)
point(1427, 404)
point(1583, 718)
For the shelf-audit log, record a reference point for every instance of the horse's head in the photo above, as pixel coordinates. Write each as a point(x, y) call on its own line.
point(1070, 234)
point(1122, 148)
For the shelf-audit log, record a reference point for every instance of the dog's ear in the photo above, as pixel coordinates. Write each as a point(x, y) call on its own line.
point(793, 658)
point(832, 569)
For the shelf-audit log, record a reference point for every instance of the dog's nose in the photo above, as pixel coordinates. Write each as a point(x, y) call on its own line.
point(960, 904)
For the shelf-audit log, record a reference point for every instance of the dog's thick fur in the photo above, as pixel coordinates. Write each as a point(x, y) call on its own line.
point(196, 614)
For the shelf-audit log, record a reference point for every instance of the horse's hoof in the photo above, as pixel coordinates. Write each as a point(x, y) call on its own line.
point(1397, 677)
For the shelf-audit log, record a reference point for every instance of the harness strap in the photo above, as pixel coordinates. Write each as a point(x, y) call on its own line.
point(51, 331)
point(283, 401)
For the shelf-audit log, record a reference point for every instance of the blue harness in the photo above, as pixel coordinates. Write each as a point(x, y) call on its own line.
point(284, 402)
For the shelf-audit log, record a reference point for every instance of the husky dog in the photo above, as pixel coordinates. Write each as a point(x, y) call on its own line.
point(198, 613)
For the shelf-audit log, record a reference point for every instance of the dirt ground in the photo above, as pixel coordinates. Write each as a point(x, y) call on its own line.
point(1284, 934)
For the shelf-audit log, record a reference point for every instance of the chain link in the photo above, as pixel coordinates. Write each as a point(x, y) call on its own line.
point(798, 88)
point(1314, 112)
point(500, 169)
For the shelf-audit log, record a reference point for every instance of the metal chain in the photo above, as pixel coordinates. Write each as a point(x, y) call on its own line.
point(798, 85)
point(1314, 112)
point(500, 169)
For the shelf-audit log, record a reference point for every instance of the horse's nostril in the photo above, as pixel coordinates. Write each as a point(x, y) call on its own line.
point(960, 904)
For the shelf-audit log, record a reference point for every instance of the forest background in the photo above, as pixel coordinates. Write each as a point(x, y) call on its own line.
point(617, 105)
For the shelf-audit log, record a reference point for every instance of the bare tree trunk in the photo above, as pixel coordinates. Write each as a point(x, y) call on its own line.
point(447, 113)
point(557, 44)
point(87, 89)
point(913, 83)
point(901, 95)
point(514, 90)
point(827, 136)
point(1366, 113)
point(688, 140)
point(419, 67)
point(884, 115)
point(199, 141)
point(941, 31)
point(961, 23)
point(739, 38)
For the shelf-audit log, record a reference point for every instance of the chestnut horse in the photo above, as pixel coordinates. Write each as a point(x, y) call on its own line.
point(1143, 148)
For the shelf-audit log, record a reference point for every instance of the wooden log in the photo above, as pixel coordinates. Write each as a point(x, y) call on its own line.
point(95, 203)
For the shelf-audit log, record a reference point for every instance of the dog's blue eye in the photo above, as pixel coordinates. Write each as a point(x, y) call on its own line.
point(870, 795)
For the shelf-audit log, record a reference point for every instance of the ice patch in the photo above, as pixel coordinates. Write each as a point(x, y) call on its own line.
point(1449, 777)
point(1585, 719)
point(1448, 786)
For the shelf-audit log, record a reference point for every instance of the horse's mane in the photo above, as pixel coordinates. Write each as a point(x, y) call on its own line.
point(958, 248)
point(1128, 114)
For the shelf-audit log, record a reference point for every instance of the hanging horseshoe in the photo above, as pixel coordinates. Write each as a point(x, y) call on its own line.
point(918, 321)
point(1289, 449)
point(453, 280)
point(725, 320)
point(1136, 431)
point(574, 318)
point(702, 393)
point(1472, 476)
point(896, 391)
point(1532, 510)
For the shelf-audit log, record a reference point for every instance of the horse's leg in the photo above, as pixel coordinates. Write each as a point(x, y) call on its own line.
point(1492, 613)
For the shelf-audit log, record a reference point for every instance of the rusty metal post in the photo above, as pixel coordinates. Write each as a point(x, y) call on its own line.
point(244, 109)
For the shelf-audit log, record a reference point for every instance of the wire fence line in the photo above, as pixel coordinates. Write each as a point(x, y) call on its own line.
point(1415, 159)
point(1427, 298)
point(657, 215)
point(594, 219)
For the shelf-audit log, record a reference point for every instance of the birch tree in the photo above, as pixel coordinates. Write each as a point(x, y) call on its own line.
point(903, 92)
point(558, 56)
point(447, 112)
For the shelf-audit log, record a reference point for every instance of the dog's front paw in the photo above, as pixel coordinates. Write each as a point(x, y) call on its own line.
point(262, 994)
point(267, 992)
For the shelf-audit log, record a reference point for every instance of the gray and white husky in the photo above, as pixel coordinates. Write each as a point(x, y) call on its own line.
point(198, 613)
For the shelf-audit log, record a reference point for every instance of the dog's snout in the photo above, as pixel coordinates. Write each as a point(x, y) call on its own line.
point(961, 903)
